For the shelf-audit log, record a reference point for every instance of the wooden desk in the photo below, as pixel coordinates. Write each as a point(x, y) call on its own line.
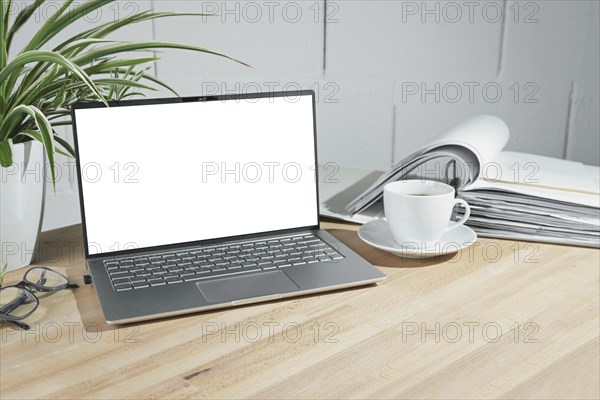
point(506, 319)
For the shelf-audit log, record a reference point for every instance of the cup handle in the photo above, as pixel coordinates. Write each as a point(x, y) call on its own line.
point(464, 217)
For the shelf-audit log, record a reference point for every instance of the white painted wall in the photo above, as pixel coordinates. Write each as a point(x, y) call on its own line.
point(365, 59)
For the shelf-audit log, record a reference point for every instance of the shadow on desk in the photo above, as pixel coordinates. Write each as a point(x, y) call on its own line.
point(63, 251)
point(93, 322)
point(382, 258)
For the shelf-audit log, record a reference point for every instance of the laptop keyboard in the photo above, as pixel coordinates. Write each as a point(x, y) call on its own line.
point(137, 272)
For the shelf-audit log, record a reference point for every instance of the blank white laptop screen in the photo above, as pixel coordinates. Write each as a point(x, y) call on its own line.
point(160, 174)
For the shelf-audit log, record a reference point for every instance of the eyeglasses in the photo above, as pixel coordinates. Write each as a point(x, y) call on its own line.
point(18, 302)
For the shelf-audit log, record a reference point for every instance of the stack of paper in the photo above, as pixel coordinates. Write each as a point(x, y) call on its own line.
point(540, 198)
point(512, 195)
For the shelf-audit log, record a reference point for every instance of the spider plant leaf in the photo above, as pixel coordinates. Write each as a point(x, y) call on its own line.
point(135, 46)
point(6, 153)
point(5, 15)
point(68, 150)
point(105, 29)
point(39, 56)
point(111, 64)
point(30, 134)
point(67, 51)
point(153, 80)
point(60, 98)
point(65, 145)
point(80, 45)
point(60, 20)
point(4, 9)
point(21, 19)
point(43, 127)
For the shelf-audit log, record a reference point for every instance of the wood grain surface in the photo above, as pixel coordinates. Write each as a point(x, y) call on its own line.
point(500, 320)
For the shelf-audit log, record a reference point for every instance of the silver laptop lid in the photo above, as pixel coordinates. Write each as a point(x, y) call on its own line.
point(157, 173)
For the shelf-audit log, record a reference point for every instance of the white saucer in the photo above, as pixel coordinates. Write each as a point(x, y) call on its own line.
point(377, 234)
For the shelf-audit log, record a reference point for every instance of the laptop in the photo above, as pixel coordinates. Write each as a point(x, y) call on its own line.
point(200, 203)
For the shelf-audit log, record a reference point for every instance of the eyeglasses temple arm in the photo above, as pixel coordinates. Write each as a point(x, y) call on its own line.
point(20, 324)
point(10, 307)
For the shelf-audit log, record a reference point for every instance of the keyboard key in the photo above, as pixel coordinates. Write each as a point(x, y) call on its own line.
point(203, 271)
point(192, 278)
point(207, 265)
point(248, 265)
point(156, 281)
point(139, 285)
point(122, 286)
point(171, 280)
point(120, 274)
point(284, 265)
point(310, 241)
point(161, 271)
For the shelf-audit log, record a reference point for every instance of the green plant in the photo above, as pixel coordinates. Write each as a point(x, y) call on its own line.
point(3, 273)
point(38, 86)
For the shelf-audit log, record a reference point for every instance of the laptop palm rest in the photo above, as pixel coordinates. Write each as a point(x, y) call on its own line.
point(233, 288)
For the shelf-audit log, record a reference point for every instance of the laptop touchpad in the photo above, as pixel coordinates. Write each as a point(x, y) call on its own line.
point(246, 286)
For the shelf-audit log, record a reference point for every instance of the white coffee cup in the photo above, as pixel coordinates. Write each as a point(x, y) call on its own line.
point(419, 210)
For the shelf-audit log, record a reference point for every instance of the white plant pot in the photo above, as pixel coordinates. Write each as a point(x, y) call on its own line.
point(21, 204)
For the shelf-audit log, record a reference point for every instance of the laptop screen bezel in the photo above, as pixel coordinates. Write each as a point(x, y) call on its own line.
point(169, 100)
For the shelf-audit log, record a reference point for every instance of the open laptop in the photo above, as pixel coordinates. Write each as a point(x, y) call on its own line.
point(192, 204)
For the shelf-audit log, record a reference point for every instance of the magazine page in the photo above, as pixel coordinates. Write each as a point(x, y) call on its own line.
point(539, 176)
point(472, 143)
point(484, 135)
